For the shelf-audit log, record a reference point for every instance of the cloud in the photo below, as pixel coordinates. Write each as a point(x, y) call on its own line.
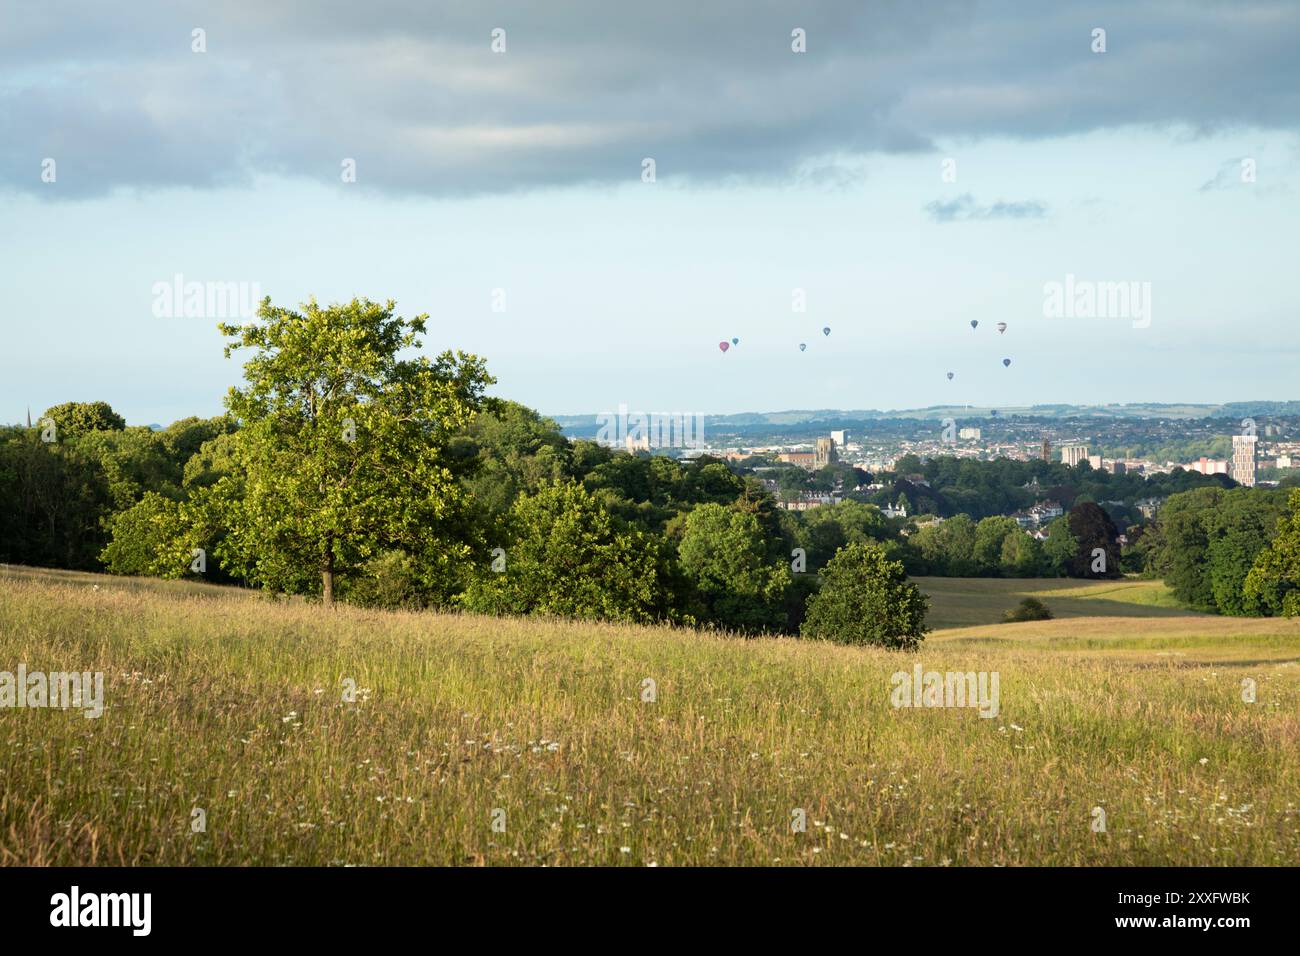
point(585, 91)
point(964, 208)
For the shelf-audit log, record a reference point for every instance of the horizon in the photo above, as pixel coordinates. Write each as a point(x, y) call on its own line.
point(1075, 411)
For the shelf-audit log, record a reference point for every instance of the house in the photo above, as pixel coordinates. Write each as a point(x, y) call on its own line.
point(1045, 511)
point(1149, 506)
point(804, 459)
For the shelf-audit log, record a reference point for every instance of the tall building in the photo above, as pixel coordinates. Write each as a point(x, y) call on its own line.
point(841, 438)
point(1073, 454)
point(1047, 449)
point(1243, 460)
point(825, 454)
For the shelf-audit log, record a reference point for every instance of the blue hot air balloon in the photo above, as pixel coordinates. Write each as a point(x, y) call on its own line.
point(802, 346)
point(826, 331)
point(974, 323)
point(735, 341)
point(1006, 362)
point(950, 376)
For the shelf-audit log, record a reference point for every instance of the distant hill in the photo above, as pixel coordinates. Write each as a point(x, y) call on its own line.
point(587, 425)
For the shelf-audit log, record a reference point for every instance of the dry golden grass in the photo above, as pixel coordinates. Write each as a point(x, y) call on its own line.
point(221, 700)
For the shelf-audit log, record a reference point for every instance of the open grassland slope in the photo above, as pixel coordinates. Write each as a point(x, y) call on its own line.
point(222, 701)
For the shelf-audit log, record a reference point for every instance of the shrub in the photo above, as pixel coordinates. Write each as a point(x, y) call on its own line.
point(149, 538)
point(390, 580)
point(1030, 609)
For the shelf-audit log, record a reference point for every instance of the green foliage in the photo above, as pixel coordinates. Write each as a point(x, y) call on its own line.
point(738, 583)
point(566, 555)
point(1022, 555)
point(1029, 609)
point(343, 445)
point(990, 536)
point(827, 529)
point(988, 488)
point(391, 580)
point(649, 490)
point(1060, 548)
point(73, 419)
point(151, 537)
point(946, 548)
point(1094, 531)
point(865, 598)
point(516, 451)
point(1206, 542)
point(53, 499)
point(1272, 585)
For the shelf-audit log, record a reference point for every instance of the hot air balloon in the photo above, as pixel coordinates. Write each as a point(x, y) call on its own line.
point(1002, 327)
point(974, 323)
point(1006, 362)
point(802, 346)
point(735, 341)
point(826, 331)
point(950, 376)
point(724, 345)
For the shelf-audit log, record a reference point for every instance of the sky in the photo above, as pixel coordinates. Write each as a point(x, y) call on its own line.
point(916, 167)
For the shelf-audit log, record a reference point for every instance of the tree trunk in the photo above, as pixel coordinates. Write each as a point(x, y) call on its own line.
point(327, 578)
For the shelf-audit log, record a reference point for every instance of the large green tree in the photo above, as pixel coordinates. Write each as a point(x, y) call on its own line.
point(342, 447)
point(990, 534)
point(1059, 548)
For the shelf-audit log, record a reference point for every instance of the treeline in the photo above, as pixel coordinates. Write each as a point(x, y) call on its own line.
point(947, 486)
point(1231, 551)
point(347, 471)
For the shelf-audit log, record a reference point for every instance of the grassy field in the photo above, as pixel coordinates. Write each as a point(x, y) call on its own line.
point(220, 700)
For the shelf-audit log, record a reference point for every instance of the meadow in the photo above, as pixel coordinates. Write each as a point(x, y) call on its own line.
point(480, 741)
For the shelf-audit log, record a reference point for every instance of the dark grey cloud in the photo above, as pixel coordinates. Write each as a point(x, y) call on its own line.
point(586, 90)
point(964, 207)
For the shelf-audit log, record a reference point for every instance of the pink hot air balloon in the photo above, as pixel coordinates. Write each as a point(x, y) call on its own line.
point(724, 345)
